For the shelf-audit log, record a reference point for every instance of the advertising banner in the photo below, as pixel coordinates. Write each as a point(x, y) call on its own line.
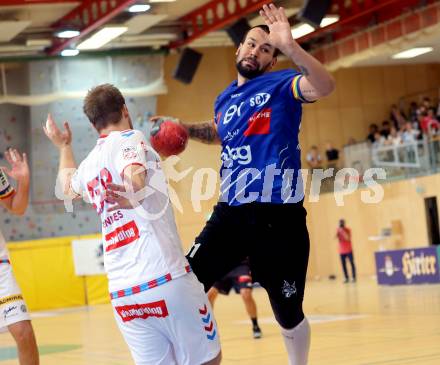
point(88, 257)
point(409, 266)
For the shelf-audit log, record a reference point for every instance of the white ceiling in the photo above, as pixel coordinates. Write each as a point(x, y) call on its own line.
point(382, 54)
point(160, 26)
point(178, 8)
point(423, 40)
point(10, 29)
point(41, 15)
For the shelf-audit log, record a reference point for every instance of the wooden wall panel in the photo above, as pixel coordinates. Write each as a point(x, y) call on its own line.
point(394, 84)
point(416, 79)
point(372, 85)
point(348, 84)
point(351, 125)
point(329, 126)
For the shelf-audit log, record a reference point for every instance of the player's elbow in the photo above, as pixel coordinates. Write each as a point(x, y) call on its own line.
point(19, 211)
point(328, 86)
point(67, 192)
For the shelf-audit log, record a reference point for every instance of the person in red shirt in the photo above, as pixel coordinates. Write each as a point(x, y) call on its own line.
point(346, 250)
point(429, 122)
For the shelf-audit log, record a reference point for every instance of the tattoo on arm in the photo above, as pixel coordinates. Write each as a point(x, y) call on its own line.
point(203, 132)
point(304, 70)
point(308, 92)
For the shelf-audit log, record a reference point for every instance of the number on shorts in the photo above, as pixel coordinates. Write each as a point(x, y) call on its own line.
point(194, 249)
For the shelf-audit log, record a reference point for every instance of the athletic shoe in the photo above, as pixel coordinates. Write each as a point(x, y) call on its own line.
point(257, 332)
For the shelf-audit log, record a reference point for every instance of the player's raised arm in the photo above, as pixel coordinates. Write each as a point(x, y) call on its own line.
point(15, 201)
point(62, 139)
point(205, 132)
point(317, 81)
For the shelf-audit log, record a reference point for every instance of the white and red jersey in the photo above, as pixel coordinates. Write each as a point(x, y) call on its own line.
point(6, 190)
point(3, 249)
point(140, 244)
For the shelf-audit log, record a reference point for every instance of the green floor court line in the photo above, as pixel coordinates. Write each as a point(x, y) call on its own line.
point(10, 353)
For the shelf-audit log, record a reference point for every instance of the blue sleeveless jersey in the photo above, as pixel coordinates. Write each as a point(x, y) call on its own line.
point(258, 124)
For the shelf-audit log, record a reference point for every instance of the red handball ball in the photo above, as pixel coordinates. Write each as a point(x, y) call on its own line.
point(168, 138)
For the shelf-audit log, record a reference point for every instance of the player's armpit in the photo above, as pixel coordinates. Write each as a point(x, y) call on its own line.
point(6, 202)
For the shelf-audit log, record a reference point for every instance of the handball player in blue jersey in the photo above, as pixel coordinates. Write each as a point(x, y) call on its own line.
point(260, 214)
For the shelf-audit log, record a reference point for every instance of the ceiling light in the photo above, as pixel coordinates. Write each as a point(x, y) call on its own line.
point(413, 52)
point(304, 29)
point(67, 33)
point(139, 8)
point(69, 52)
point(329, 20)
point(301, 30)
point(102, 37)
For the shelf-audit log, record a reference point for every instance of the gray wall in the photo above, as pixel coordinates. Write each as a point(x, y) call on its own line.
point(21, 127)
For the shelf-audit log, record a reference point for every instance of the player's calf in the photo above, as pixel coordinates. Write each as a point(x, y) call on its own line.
point(26, 344)
point(212, 296)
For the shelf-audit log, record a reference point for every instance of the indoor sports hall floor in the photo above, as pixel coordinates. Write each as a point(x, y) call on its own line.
point(352, 324)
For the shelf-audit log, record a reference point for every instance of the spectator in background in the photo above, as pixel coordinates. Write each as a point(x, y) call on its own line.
point(394, 139)
point(373, 129)
point(409, 133)
point(413, 111)
point(427, 104)
point(421, 110)
point(379, 140)
point(343, 234)
point(313, 158)
point(397, 117)
point(418, 123)
point(332, 155)
point(351, 141)
point(386, 128)
point(429, 123)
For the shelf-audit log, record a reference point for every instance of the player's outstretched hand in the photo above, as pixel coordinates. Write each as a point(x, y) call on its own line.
point(19, 167)
point(280, 35)
point(60, 138)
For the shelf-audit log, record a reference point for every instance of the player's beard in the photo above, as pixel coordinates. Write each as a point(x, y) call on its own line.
point(250, 73)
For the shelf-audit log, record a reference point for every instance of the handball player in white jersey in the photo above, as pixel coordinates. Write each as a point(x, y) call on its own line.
point(159, 305)
point(14, 316)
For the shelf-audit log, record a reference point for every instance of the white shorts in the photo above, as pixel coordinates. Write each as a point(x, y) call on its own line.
point(12, 306)
point(171, 324)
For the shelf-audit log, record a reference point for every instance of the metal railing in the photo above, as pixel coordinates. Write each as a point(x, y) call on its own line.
point(400, 161)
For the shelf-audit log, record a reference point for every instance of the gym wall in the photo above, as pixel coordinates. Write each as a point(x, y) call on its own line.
point(45, 272)
point(403, 203)
point(21, 127)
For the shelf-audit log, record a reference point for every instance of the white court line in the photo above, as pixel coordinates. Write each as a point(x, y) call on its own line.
point(58, 312)
point(314, 319)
